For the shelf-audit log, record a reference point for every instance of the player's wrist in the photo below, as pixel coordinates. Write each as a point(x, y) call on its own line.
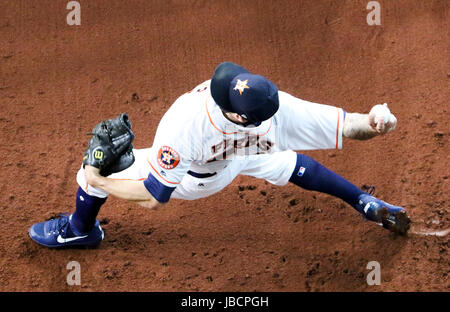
point(93, 176)
point(357, 126)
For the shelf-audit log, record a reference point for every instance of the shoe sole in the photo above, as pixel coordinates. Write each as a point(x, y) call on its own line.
point(397, 222)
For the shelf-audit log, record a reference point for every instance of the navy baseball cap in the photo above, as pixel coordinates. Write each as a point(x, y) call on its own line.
point(253, 97)
point(236, 90)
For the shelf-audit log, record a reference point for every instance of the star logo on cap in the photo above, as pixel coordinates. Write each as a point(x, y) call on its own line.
point(241, 86)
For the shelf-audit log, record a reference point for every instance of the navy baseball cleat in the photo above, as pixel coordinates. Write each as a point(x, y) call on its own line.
point(57, 233)
point(393, 218)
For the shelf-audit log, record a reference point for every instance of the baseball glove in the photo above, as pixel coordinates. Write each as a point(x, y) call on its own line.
point(110, 148)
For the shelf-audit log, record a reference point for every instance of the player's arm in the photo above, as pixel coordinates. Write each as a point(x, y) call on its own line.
point(130, 190)
point(379, 121)
point(305, 125)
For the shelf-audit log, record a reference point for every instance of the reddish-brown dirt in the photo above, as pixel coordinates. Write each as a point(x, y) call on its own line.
point(57, 81)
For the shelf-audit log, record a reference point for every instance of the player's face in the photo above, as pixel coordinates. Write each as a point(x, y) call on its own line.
point(242, 121)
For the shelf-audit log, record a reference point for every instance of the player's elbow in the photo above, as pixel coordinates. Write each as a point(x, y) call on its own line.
point(151, 204)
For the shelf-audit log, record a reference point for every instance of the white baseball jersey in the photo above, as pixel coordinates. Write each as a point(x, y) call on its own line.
point(195, 136)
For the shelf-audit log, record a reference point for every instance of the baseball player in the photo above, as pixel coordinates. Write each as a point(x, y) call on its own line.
point(235, 123)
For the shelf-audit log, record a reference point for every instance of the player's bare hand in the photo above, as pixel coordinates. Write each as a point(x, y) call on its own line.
point(92, 175)
point(381, 119)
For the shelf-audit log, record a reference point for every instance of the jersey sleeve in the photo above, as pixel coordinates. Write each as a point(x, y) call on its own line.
point(168, 164)
point(306, 125)
point(171, 155)
point(168, 167)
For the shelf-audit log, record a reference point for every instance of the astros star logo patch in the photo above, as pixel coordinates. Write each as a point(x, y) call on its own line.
point(168, 158)
point(241, 86)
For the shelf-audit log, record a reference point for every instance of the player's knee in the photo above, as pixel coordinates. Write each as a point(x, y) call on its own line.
point(303, 174)
point(278, 182)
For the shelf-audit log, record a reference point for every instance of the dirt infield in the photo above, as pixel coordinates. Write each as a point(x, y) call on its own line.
point(57, 81)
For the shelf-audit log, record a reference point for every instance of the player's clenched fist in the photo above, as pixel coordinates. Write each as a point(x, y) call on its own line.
point(381, 119)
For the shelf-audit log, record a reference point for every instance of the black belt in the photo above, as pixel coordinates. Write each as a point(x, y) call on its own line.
point(201, 175)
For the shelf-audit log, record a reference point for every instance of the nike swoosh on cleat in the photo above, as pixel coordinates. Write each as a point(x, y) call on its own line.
point(61, 240)
point(366, 207)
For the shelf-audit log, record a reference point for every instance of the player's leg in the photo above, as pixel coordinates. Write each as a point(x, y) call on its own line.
point(309, 174)
point(87, 205)
point(275, 168)
point(82, 228)
point(192, 187)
